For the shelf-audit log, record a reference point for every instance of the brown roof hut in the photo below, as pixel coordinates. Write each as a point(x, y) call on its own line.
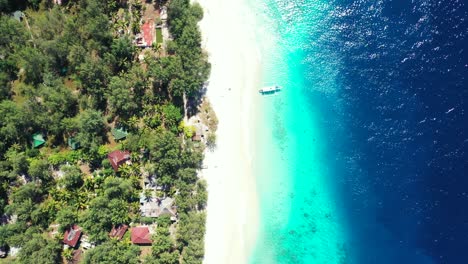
point(72, 236)
point(117, 158)
point(118, 231)
point(140, 235)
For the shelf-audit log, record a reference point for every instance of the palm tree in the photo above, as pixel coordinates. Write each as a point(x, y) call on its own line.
point(88, 184)
point(68, 254)
point(148, 193)
point(83, 199)
point(157, 47)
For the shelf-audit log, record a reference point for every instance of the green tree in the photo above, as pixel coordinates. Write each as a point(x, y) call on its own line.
point(66, 217)
point(57, 102)
point(47, 28)
point(123, 52)
point(191, 228)
point(164, 258)
point(89, 128)
point(39, 169)
point(193, 253)
point(34, 64)
point(118, 188)
point(94, 75)
point(41, 250)
point(113, 252)
point(201, 195)
point(72, 177)
point(17, 160)
point(120, 97)
point(165, 152)
point(12, 37)
point(26, 192)
point(177, 16)
point(14, 124)
point(94, 25)
point(188, 175)
point(76, 56)
point(166, 69)
point(171, 117)
point(97, 220)
point(162, 242)
point(109, 208)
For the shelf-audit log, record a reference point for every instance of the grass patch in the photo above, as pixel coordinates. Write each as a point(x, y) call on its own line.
point(159, 36)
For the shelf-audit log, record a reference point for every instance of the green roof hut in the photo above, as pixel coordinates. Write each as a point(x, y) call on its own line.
point(119, 133)
point(73, 143)
point(37, 140)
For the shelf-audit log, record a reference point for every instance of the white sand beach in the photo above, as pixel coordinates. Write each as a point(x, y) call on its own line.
point(232, 213)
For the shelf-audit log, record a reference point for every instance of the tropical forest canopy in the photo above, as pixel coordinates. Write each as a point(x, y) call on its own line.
point(72, 71)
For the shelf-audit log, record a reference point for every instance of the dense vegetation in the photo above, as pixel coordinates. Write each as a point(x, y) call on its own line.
point(71, 71)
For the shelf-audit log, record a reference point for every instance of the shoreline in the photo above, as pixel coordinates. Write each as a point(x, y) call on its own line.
point(233, 210)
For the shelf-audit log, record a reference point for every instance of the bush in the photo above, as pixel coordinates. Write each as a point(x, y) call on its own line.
point(147, 220)
point(106, 164)
point(188, 130)
point(211, 141)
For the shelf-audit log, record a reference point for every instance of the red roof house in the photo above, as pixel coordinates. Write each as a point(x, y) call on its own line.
point(72, 236)
point(117, 158)
point(146, 38)
point(140, 235)
point(118, 231)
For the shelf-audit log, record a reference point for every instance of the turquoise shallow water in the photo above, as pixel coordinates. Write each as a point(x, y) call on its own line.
point(300, 219)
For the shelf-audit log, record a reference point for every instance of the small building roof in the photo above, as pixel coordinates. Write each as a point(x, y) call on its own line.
point(14, 251)
point(163, 13)
point(37, 140)
point(118, 231)
point(72, 236)
point(117, 158)
point(119, 133)
point(18, 15)
point(140, 235)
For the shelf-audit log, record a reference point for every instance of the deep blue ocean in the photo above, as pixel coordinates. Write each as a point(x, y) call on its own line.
point(387, 84)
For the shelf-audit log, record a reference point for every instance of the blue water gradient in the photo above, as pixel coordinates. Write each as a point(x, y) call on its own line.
point(363, 158)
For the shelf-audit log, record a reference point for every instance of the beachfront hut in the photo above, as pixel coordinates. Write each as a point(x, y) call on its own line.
point(199, 134)
point(72, 236)
point(37, 140)
point(117, 158)
point(140, 235)
point(118, 231)
point(119, 133)
point(155, 207)
point(73, 143)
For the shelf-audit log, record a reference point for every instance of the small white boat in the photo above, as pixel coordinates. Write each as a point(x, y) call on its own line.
point(270, 89)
